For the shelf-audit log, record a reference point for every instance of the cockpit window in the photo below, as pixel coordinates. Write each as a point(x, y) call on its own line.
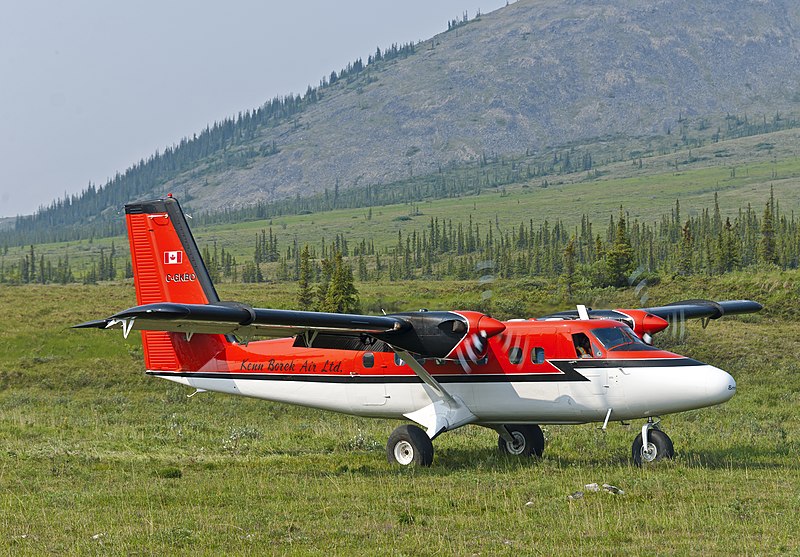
point(620, 338)
point(583, 348)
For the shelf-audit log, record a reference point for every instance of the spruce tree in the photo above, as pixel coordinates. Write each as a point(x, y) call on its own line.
point(727, 249)
point(685, 250)
point(326, 274)
point(619, 257)
point(341, 295)
point(569, 265)
point(768, 251)
point(305, 297)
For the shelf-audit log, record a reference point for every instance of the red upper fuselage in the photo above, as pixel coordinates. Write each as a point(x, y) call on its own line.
point(525, 347)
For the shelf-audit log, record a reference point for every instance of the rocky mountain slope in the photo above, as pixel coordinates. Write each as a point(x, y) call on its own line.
point(534, 74)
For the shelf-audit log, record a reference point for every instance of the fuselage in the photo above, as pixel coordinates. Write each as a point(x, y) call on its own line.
point(570, 371)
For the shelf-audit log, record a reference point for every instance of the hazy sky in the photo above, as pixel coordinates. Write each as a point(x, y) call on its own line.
point(89, 87)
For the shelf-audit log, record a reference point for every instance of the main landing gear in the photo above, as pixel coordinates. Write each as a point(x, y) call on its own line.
point(651, 445)
point(408, 444)
point(521, 440)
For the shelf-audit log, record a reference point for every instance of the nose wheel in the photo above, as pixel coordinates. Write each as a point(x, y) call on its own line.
point(651, 445)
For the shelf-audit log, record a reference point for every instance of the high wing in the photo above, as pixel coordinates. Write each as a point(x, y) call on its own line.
point(687, 309)
point(434, 334)
point(703, 309)
point(645, 322)
point(243, 320)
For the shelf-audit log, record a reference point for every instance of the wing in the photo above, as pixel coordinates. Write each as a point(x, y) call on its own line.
point(434, 334)
point(649, 321)
point(687, 309)
point(243, 320)
point(703, 309)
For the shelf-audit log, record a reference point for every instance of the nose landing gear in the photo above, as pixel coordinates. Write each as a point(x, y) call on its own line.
point(651, 445)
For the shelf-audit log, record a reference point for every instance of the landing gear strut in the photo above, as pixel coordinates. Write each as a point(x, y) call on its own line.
point(407, 445)
point(651, 445)
point(521, 440)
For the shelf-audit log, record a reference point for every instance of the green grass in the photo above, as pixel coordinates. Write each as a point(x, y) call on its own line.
point(99, 459)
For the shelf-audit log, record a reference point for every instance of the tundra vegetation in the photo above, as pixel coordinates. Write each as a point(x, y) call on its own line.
point(99, 458)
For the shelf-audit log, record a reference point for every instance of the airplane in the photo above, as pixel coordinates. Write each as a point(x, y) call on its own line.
point(440, 370)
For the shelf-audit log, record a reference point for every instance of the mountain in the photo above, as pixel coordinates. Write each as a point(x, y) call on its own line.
point(534, 74)
point(529, 76)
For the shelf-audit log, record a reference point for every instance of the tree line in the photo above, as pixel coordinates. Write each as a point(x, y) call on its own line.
point(675, 244)
point(705, 244)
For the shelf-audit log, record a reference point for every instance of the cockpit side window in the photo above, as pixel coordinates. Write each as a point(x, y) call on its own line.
point(583, 347)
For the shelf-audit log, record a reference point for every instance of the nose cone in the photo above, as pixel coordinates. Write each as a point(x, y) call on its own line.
point(720, 386)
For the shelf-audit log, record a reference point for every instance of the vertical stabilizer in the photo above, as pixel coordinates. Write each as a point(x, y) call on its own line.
point(167, 267)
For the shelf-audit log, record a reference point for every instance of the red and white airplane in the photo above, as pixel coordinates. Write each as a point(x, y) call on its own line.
point(439, 369)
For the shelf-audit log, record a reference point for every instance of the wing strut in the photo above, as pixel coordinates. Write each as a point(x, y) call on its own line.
point(449, 412)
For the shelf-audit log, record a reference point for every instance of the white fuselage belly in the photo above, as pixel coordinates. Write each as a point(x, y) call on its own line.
point(630, 392)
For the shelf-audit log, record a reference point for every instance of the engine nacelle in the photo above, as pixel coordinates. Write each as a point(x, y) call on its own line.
point(445, 334)
point(642, 322)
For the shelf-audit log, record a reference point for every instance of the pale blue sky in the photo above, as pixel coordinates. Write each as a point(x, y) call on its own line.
point(89, 87)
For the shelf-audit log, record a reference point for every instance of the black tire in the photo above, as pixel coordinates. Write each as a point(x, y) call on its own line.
point(408, 445)
point(529, 440)
point(660, 447)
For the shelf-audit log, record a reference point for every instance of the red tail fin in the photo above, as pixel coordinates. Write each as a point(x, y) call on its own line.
point(167, 267)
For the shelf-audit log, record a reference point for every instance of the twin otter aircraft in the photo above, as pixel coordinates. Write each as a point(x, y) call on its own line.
point(439, 369)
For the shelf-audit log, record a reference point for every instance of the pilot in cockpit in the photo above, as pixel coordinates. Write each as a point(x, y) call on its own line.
point(583, 348)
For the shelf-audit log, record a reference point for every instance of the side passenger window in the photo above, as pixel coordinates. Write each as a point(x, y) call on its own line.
point(368, 360)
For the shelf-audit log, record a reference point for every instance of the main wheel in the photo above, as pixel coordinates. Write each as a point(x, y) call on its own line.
point(528, 440)
point(659, 446)
point(407, 445)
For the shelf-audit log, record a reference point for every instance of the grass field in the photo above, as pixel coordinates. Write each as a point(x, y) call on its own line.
point(99, 459)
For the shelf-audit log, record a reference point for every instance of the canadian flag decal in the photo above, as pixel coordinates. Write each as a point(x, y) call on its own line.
point(173, 257)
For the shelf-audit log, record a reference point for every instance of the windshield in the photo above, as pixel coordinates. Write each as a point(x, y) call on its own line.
point(619, 338)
